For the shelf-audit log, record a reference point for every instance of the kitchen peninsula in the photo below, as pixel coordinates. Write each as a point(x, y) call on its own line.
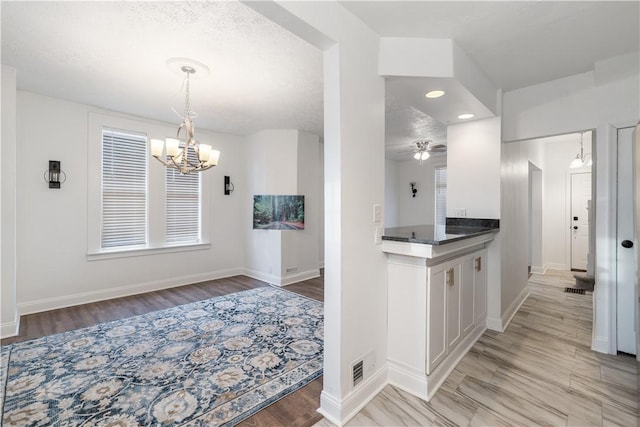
point(437, 298)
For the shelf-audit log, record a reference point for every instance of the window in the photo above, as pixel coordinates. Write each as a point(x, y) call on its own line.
point(183, 206)
point(124, 189)
point(441, 195)
point(136, 206)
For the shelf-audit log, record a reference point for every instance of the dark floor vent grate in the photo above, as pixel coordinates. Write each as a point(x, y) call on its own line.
point(358, 373)
point(575, 291)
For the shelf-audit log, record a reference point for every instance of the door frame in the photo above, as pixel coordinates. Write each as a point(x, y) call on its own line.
point(613, 224)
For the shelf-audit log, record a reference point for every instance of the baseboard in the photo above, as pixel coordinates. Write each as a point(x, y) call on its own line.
point(538, 270)
point(513, 308)
point(259, 275)
point(281, 281)
point(556, 266)
point(300, 277)
point(47, 304)
point(494, 324)
point(10, 329)
point(340, 412)
point(426, 386)
point(600, 344)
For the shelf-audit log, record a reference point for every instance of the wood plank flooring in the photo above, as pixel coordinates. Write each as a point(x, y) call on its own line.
point(540, 371)
point(296, 409)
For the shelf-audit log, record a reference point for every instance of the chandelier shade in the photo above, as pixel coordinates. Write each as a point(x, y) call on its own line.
point(183, 152)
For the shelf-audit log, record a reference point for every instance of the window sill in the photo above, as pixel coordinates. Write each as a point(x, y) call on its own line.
point(126, 253)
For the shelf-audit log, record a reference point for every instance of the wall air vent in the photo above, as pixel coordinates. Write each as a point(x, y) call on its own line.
point(358, 373)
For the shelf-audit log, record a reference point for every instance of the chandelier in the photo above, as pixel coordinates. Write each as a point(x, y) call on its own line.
point(581, 157)
point(185, 155)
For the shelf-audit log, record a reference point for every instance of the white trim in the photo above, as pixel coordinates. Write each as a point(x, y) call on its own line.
point(54, 303)
point(556, 266)
point(276, 280)
point(10, 329)
point(494, 324)
point(513, 308)
point(340, 412)
point(124, 253)
point(300, 277)
point(259, 275)
point(600, 344)
point(538, 270)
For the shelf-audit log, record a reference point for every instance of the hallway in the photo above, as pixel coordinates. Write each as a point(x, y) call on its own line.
point(540, 371)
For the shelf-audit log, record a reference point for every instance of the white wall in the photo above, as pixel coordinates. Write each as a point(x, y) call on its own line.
point(284, 162)
point(599, 99)
point(420, 209)
point(391, 193)
point(355, 267)
point(9, 321)
point(513, 229)
point(473, 168)
point(52, 265)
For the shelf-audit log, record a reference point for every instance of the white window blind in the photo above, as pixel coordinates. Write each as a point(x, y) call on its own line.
point(124, 189)
point(441, 196)
point(183, 205)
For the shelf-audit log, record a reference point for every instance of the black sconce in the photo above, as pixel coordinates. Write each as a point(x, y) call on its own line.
point(54, 174)
point(414, 190)
point(228, 186)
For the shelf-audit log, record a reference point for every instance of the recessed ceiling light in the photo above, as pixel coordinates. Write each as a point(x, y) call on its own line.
point(465, 116)
point(434, 94)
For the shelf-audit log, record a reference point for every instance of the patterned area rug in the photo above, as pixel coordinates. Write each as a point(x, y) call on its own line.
point(209, 363)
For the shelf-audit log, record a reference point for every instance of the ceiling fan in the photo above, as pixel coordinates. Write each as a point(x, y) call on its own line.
point(424, 147)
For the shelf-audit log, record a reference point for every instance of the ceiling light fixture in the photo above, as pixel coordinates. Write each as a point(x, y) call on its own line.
point(465, 116)
point(421, 153)
point(578, 162)
point(186, 155)
point(434, 94)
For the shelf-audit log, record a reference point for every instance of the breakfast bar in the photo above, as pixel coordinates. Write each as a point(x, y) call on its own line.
point(437, 298)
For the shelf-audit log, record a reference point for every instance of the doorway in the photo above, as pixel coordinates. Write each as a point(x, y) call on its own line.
point(580, 219)
point(626, 260)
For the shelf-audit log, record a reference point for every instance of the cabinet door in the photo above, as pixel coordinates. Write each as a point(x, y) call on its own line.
point(467, 294)
point(452, 278)
point(436, 320)
point(480, 286)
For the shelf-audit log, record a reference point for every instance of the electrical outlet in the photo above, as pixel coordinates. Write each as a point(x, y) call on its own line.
point(460, 213)
point(378, 235)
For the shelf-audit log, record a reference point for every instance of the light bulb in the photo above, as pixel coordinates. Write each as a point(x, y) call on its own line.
point(425, 156)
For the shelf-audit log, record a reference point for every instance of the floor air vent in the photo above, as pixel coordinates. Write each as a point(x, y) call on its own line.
point(575, 291)
point(358, 373)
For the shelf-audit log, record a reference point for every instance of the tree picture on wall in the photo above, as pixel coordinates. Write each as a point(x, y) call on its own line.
point(278, 212)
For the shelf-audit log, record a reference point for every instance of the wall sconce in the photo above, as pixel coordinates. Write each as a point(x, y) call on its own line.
point(414, 190)
point(54, 174)
point(228, 186)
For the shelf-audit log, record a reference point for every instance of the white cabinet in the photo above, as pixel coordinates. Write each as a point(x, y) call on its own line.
point(456, 303)
point(437, 310)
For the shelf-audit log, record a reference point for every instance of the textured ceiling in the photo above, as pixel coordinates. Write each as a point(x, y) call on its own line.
point(113, 54)
point(516, 43)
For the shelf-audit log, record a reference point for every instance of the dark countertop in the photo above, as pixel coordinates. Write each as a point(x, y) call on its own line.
point(437, 234)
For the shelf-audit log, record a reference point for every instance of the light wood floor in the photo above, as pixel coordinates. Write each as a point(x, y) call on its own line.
point(540, 371)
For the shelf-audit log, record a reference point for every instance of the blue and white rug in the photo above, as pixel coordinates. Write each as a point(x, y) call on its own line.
point(209, 363)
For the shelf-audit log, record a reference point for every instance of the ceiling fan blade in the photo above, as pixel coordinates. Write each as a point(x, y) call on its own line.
point(437, 148)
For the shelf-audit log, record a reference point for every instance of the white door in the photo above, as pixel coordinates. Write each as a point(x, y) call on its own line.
point(580, 196)
point(626, 279)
